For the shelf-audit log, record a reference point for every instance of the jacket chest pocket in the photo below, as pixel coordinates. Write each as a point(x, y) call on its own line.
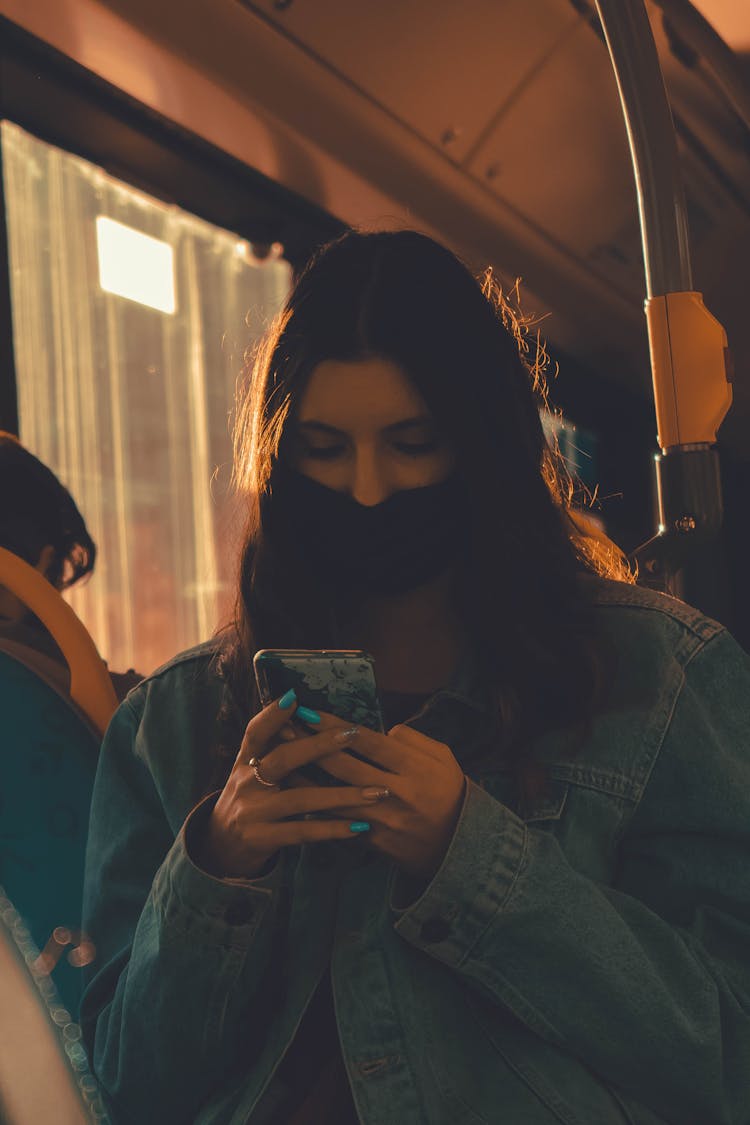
point(545, 809)
point(548, 806)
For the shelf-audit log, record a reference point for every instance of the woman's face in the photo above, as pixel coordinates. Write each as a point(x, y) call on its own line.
point(364, 429)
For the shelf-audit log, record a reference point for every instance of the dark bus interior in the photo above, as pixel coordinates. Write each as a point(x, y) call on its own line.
point(245, 134)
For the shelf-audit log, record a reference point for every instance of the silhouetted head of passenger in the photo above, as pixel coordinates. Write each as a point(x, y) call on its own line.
point(39, 520)
point(401, 297)
point(406, 302)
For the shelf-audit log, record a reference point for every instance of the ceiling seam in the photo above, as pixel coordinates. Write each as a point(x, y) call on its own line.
point(519, 89)
point(582, 263)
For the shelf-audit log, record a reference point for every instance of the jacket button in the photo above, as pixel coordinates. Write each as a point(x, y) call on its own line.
point(434, 930)
point(239, 913)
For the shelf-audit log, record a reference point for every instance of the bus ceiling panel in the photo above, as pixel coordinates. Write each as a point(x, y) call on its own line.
point(731, 18)
point(707, 122)
point(446, 71)
point(268, 101)
point(326, 140)
point(697, 39)
point(562, 155)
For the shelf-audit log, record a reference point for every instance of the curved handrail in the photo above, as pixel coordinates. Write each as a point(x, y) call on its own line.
point(653, 145)
point(688, 346)
point(90, 683)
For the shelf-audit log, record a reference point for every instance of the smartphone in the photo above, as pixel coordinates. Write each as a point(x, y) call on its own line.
point(340, 681)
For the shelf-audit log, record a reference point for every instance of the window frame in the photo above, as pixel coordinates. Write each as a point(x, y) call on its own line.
point(61, 102)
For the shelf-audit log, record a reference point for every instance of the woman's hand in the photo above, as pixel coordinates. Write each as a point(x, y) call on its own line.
point(250, 822)
point(415, 824)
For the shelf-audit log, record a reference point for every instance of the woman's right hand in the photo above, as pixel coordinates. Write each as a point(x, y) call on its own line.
point(249, 822)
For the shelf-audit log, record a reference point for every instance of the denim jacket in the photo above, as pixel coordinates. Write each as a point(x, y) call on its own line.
point(583, 960)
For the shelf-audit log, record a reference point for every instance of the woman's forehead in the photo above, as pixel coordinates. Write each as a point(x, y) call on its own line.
point(366, 387)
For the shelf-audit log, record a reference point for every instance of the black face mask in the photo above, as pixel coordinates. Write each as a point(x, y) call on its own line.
point(389, 548)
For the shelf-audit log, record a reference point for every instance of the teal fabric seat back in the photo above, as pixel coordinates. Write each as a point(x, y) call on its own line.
point(48, 755)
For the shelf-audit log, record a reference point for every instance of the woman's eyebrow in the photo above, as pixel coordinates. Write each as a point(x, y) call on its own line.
point(404, 424)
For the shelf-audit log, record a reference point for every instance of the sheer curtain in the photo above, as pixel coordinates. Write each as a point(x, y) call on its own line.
point(129, 404)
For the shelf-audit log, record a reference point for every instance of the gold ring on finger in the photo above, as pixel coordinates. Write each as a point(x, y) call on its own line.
point(254, 763)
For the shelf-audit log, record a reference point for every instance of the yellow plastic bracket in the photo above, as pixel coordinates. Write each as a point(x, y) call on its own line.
point(90, 683)
point(689, 360)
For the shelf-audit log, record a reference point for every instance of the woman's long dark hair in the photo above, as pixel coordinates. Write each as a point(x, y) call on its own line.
point(37, 511)
point(402, 297)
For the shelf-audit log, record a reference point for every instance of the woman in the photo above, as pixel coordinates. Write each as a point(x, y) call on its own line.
point(40, 522)
point(545, 915)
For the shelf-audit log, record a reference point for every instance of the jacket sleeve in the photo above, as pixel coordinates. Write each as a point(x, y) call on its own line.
point(647, 980)
point(180, 955)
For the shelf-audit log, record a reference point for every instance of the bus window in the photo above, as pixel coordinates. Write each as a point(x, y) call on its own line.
point(578, 447)
point(130, 320)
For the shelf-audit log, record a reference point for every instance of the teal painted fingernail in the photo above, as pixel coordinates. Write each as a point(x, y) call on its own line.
point(288, 699)
point(307, 715)
point(359, 826)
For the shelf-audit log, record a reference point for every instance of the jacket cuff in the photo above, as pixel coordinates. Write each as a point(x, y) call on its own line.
point(471, 885)
point(212, 911)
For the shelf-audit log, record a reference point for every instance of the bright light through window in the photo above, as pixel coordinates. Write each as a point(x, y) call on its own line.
point(128, 406)
point(135, 265)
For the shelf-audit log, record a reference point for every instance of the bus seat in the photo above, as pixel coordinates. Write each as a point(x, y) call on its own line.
point(90, 683)
point(48, 757)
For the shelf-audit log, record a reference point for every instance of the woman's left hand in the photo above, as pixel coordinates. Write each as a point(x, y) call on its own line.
point(415, 824)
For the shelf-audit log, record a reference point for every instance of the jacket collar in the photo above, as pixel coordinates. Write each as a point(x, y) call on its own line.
point(461, 713)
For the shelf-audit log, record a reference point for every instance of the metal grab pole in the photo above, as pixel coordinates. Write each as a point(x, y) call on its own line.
point(687, 345)
point(653, 145)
